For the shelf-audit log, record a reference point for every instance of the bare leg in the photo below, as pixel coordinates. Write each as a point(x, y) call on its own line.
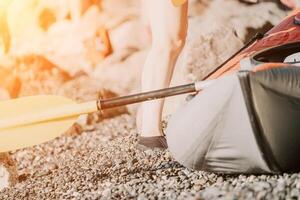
point(168, 27)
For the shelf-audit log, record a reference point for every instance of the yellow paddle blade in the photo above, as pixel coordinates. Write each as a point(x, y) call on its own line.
point(178, 2)
point(24, 135)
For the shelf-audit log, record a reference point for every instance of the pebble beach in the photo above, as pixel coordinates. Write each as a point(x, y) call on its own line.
point(97, 158)
point(103, 163)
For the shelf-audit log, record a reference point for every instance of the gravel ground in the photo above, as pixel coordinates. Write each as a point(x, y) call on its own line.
point(103, 163)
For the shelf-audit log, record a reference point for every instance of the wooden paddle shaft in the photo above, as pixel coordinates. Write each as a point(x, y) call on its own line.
point(152, 95)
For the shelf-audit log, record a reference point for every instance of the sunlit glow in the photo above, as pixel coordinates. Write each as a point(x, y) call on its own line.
point(65, 33)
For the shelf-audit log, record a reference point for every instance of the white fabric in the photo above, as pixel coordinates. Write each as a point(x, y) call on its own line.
point(212, 132)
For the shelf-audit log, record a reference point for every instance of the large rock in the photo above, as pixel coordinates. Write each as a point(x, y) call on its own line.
point(204, 52)
point(221, 29)
point(121, 72)
point(38, 75)
point(236, 15)
point(130, 35)
point(23, 22)
point(115, 12)
point(29, 75)
point(46, 29)
point(69, 44)
point(82, 88)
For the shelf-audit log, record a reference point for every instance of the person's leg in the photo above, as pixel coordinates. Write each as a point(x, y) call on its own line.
point(168, 27)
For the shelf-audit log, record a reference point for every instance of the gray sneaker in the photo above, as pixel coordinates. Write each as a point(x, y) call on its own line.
point(156, 142)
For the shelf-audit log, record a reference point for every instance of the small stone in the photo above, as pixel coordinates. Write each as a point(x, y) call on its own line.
point(106, 193)
point(220, 179)
point(251, 178)
point(8, 171)
point(295, 193)
point(201, 182)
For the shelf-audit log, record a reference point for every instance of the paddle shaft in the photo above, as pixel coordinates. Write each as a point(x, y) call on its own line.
point(152, 95)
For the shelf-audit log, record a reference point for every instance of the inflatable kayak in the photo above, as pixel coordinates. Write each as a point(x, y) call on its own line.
point(247, 120)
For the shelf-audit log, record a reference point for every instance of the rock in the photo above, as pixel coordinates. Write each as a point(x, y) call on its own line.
point(10, 83)
point(38, 75)
point(215, 35)
point(298, 184)
point(70, 44)
point(295, 193)
point(121, 72)
point(8, 171)
point(200, 182)
point(220, 13)
point(115, 12)
point(25, 32)
point(106, 193)
point(211, 193)
point(81, 88)
point(220, 179)
point(131, 35)
point(206, 51)
point(10, 79)
point(197, 8)
point(73, 45)
point(75, 130)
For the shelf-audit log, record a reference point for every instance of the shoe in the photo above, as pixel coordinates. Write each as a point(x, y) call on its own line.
point(156, 142)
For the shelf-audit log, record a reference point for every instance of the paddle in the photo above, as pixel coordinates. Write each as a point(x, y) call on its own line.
point(33, 120)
